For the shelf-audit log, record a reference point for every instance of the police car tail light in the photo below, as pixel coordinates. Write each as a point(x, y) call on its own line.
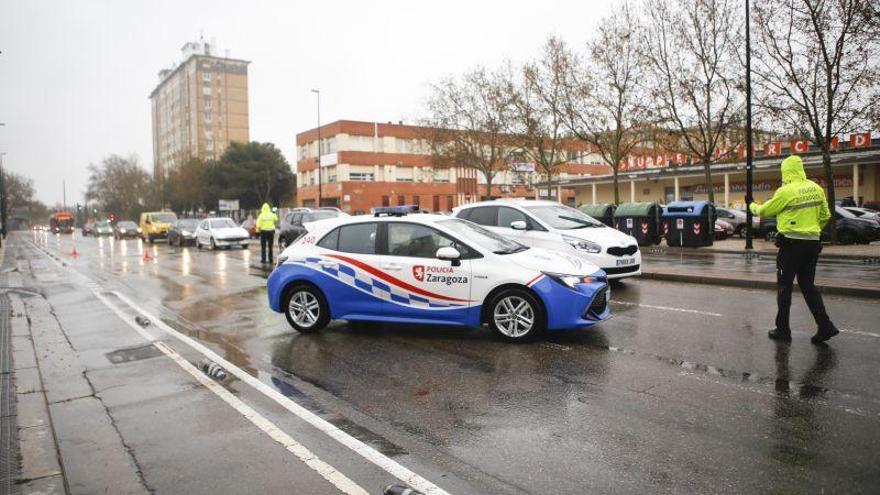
point(582, 244)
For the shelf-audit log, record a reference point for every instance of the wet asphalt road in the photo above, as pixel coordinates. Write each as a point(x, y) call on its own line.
point(680, 392)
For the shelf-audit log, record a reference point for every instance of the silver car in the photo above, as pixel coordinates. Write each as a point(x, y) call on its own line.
point(737, 218)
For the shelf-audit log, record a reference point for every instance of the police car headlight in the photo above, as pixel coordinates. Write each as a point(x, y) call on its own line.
point(569, 281)
point(582, 245)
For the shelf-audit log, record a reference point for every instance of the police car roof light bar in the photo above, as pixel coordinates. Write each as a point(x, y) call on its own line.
point(394, 211)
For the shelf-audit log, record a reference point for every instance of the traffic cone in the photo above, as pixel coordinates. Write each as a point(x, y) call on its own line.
point(148, 256)
point(74, 253)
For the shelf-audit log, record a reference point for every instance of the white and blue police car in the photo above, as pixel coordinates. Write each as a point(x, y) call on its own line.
point(432, 269)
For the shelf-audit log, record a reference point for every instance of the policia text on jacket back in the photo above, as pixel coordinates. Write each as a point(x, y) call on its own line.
point(801, 212)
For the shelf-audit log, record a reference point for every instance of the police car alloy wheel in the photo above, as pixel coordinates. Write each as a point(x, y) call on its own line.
point(515, 315)
point(306, 308)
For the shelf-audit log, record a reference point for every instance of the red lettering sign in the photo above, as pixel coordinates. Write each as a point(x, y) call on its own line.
point(799, 146)
point(860, 140)
point(771, 149)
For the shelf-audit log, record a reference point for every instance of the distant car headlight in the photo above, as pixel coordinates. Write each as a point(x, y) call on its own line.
point(139, 230)
point(569, 281)
point(582, 245)
point(186, 232)
point(122, 231)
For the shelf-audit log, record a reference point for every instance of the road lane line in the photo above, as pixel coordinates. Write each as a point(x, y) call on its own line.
point(370, 454)
point(328, 472)
point(377, 458)
point(667, 308)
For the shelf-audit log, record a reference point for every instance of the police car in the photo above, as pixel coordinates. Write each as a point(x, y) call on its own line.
point(432, 269)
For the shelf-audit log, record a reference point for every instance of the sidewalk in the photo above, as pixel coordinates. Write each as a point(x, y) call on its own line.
point(867, 252)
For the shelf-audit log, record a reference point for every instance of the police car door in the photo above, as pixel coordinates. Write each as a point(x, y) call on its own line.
point(421, 286)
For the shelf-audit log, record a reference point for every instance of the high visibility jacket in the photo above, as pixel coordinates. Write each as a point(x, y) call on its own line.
point(267, 219)
point(799, 206)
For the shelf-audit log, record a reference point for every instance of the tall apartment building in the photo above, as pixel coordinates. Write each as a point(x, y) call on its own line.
point(367, 164)
point(199, 106)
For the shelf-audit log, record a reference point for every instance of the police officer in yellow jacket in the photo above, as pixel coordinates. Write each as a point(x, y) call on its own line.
point(801, 212)
point(266, 227)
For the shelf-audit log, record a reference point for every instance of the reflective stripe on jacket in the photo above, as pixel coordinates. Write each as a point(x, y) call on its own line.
point(267, 219)
point(799, 206)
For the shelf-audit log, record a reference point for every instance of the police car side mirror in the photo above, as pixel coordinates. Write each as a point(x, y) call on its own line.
point(518, 225)
point(449, 253)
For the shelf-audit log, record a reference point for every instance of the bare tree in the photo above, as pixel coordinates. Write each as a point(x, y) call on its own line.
point(817, 69)
point(690, 48)
point(604, 104)
point(468, 122)
point(538, 98)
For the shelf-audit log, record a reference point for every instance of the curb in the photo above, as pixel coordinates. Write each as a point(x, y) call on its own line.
point(758, 284)
point(660, 251)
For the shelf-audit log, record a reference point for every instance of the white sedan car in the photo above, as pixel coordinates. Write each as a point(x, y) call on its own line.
point(221, 232)
point(554, 226)
point(423, 269)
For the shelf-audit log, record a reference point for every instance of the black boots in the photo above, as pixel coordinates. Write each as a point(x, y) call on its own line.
point(824, 333)
point(777, 334)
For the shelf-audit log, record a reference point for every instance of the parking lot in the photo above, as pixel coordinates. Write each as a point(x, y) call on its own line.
point(680, 391)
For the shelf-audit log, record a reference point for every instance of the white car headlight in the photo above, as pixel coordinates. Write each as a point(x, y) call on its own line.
point(582, 245)
point(122, 231)
point(185, 232)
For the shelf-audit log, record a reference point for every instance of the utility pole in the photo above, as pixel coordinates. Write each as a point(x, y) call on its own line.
point(748, 132)
point(318, 158)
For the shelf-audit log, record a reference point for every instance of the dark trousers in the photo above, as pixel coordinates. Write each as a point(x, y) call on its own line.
point(797, 258)
point(267, 238)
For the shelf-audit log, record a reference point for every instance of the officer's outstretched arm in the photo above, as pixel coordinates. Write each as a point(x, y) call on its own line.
point(773, 207)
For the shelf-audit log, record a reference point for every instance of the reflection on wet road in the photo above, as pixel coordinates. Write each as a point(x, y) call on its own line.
point(680, 392)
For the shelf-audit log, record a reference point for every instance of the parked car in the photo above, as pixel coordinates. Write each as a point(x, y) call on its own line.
point(723, 229)
point(250, 224)
point(863, 212)
point(183, 232)
point(872, 205)
point(220, 232)
point(293, 224)
point(432, 269)
point(103, 228)
point(126, 229)
point(737, 218)
point(88, 229)
point(554, 226)
point(767, 228)
point(155, 224)
point(852, 229)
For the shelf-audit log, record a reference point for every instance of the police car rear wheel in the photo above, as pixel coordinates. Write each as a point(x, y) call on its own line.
point(516, 315)
point(306, 309)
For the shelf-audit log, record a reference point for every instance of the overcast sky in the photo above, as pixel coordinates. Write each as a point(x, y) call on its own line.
point(75, 76)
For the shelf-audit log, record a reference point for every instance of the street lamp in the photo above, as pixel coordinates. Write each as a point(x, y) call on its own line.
point(318, 158)
point(748, 133)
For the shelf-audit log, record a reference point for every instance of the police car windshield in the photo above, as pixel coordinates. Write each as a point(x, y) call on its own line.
point(563, 217)
point(486, 239)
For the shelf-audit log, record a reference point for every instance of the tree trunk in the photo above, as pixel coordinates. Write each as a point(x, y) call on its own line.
point(709, 189)
point(829, 184)
point(616, 191)
point(488, 187)
point(550, 187)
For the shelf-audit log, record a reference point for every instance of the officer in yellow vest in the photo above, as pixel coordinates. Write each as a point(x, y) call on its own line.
point(801, 212)
point(266, 228)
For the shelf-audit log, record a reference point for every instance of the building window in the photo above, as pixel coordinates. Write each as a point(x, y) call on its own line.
point(331, 178)
point(386, 200)
point(207, 117)
point(361, 176)
point(416, 200)
point(401, 200)
point(206, 76)
point(207, 103)
point(206, 90)
point(436, 203)
point(449, 203)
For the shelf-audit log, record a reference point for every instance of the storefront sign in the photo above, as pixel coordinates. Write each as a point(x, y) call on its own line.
point(860, 140)
point(840, 181)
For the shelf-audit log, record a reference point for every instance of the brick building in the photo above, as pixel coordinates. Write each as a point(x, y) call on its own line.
point(199, 106)
point(367, 164)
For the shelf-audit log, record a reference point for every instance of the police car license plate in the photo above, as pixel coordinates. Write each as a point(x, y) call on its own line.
point(626, 261)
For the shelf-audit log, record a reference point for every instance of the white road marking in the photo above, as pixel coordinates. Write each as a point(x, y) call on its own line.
point(377, 458)
point(860, 332)
point(328, 472)
point(668, 308)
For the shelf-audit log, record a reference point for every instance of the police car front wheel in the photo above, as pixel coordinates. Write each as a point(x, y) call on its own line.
point(306, 308)
point(515, 315)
